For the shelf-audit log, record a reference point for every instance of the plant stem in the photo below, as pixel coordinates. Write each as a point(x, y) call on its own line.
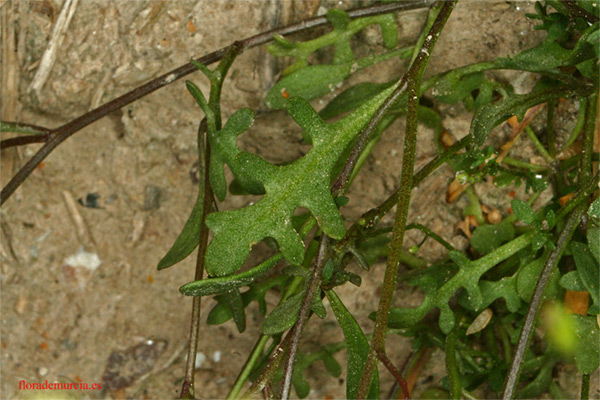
point(451, 366)
point(413, 79)
point(588, 140)
point(523, 164)
point(272, 365)
point(585, 387)
point(296, 333)
point(550, 131)
point(538, 145)
point(385, 360)
point(536, 300)
point(372, 217)
point(56, 136)
point(582, 194)
point(187, 388)
point(578, 125)
point(577, 11)
point(430, 233)
point(248, 367)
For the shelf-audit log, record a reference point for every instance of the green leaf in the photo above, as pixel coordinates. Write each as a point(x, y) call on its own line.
point(340, 37)
point(304, 361)
point(15, 127)
point(487, 238)
point(588, 269)
point(525, 213)
point(594, 210)
point(317, 306)
point(332, 366)
point(188, 238)
point(352, 97)
point(593, 239)
point(303, 183)
point(358, 348)
point(283, 316)
point(219, 285)
point(539, 240)
point(314, 81)
point(586, 351)
point(540, 383)
point(234, 299)
point(338, 18)
point(439, 289)
point(489, 115)
point(528, 276)
point(222, 311)
point(455, 86)
point(505, 288)
point(572, 281)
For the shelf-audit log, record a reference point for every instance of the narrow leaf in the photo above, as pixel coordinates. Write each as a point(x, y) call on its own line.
point(283, 316)
point(588, 269)
point(234, 299)
point(219, 285)
point(189, 237)
point(357, 345)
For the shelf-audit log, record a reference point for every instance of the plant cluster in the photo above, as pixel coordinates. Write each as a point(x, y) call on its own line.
point(480, 305)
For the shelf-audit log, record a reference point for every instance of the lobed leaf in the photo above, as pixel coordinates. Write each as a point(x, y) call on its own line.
point(303, 183)
point(439, 289)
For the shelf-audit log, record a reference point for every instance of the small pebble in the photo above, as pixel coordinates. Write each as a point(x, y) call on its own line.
point(152, 196)
point(91, 200)
point(200, 359)
point(217, 356)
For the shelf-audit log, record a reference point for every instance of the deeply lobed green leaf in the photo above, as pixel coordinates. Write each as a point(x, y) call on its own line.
point(303, 183)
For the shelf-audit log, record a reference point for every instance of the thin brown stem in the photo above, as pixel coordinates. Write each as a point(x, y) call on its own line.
point(385, 360)
point(577, 11)
point(515, 369)
point(311, 291)
point(187, 388)
point(272, 365)
point(23, 140)
point(413, 80)
point(65, 131)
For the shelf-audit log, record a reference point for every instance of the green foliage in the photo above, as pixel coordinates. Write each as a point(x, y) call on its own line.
point(343, 31)
point(588, 268)
point(303, 183)
point(503, 264)
point(357, 346)
point(223, 310)
point(586, 353)
point(304, 361)
point(314, 81)
point(487, 238)
point(438, 289)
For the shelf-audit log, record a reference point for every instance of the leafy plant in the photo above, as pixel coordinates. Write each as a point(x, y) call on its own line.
point(488, 297)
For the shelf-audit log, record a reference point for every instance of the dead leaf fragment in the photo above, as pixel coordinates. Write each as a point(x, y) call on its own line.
point(480, 322)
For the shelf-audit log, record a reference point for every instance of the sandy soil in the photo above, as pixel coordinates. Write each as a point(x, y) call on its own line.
point(124, 324)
